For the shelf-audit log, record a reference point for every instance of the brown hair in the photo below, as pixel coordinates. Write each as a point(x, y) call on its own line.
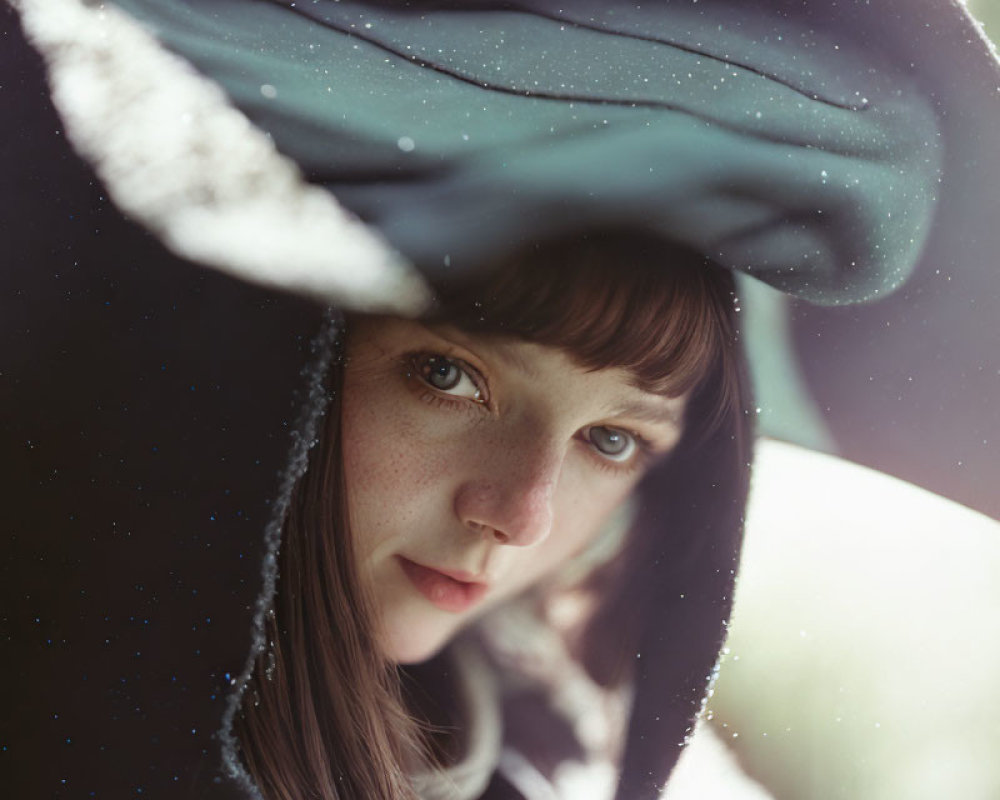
point(326, 718)
point(324, 714)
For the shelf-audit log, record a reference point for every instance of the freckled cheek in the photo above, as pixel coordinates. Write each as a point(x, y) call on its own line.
point(398, 468)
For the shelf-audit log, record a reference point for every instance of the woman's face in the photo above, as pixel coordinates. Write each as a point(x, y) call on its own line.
point(476, 466)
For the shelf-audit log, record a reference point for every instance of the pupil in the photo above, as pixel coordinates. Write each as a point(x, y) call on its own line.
point(609, 441)
point(443, 375)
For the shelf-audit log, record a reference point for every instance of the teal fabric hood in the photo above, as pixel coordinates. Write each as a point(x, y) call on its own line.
point(835, 151)
point(466, 130)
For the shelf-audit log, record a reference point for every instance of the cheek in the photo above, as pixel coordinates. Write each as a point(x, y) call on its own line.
point(382, 468)
point(378, 461)
point(588, 496)
point(398, 468)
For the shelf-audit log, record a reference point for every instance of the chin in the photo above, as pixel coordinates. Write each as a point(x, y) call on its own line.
point(410, 645)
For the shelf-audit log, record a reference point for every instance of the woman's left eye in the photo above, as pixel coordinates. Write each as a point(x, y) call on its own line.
point(449, 376)
point(612, 443)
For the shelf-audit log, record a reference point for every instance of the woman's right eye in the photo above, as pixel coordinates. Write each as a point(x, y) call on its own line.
point(449, 376)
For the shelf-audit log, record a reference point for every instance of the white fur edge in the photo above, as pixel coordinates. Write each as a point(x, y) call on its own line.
point(984, 39)
point(177, 157)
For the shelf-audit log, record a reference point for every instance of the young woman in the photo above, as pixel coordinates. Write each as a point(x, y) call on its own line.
point(467, 461)
point(511, 489)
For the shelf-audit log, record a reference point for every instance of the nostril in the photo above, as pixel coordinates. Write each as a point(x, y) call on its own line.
point(515, 512)
point(496, 535)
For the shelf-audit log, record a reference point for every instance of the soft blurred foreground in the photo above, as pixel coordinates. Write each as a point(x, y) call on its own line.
point(864, 654)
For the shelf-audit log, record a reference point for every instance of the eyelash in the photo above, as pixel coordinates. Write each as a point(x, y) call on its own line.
point(415, 364)
point(642, 457)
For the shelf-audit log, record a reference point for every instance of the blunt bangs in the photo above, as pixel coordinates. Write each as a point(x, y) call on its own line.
point(663, 313)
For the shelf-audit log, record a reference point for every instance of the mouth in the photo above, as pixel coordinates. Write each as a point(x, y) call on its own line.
point(445, 589)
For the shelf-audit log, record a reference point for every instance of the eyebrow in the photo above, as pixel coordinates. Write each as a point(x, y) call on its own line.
point(651, 412)
point(513, 358)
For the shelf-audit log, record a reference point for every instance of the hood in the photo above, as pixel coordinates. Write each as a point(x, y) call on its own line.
point(195, 183)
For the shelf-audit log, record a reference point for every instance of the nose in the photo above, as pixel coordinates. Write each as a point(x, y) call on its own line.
point(510, 497)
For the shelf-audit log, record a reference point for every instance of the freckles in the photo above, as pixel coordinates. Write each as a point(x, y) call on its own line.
point(391, 470)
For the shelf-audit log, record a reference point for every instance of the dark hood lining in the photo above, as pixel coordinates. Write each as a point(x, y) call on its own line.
point(324, 349)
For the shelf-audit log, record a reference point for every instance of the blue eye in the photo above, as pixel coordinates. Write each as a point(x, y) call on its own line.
point(613, 444)
point(442, 374)
point(448, 376)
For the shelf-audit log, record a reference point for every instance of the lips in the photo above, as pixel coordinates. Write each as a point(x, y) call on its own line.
point(443, 588)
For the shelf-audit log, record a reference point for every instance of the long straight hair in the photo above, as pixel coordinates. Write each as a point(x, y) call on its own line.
point(324, 715)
